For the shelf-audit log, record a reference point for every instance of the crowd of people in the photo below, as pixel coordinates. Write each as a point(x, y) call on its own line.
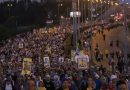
point(61, 75)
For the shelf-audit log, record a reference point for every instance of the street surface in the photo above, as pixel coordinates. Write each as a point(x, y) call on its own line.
point(112, 35)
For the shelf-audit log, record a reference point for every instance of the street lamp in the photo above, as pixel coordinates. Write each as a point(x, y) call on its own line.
point(9, 5)
point(78, 30)
point(76, 22)
point(84, 10)
point(91, 20)
point(59, 5)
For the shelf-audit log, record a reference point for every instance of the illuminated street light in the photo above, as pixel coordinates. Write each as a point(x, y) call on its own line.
point(59, 5)
point(9, 6)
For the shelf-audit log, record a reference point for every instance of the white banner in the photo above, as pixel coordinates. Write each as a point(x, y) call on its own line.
point(82, 61)
point(61, 59)
point(20, 45)
point(46, 62)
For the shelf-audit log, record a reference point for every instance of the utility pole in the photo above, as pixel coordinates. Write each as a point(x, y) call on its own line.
point(85, 12)
point(82, 10)
point(91, 21)
point(78, 29)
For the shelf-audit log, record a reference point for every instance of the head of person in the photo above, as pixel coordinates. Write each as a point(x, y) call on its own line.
point(56, 78)
point(8, 82)
point(48, 77)
point(41, 84)
point(121, 85)
point(65, 84)
point(113, 79)
point(91, 82)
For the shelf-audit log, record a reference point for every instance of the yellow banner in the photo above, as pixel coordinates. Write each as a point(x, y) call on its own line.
point(26, 66)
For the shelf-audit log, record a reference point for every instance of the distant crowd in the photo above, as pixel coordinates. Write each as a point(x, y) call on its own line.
point(61, 75)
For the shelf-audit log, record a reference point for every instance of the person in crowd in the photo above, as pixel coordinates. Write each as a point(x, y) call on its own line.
point(120, 65)
point(8, 84)
point(104, 82)
point(31, 84)
point(49, 85)
point(91, 84)
point(72, 84)
point(83, 83)
point(104, 37)
point(37, 81)
point(41, 86)
point(117, 43)
point(17, 84)
point(112, 83)
point(106, 53)
point(111, 43)
point(65, 85)
point(57, 82)
point(97, 82)
point(121, 85)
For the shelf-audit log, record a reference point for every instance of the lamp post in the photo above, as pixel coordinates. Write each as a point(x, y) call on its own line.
point(102, 12)
point(59, 5)
point(84, 11)
point(91, 20)
point(74, 24)
point(78, 30)
point(9, 6)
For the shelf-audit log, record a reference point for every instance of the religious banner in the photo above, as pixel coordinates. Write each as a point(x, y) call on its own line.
point(61, 59)
point(34, 31)
point(46, 62)
point(82, 61)
point(20, 45)
point(27, 62)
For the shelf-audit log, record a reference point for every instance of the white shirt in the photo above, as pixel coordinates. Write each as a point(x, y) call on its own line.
point(8, 87)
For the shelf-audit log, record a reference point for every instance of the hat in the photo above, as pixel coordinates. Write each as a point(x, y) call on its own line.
point(113, 77)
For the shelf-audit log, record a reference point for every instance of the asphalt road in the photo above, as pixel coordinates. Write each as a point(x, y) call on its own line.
point(114, 34)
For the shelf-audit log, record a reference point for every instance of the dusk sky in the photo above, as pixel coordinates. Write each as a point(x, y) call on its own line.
point(39, 0)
